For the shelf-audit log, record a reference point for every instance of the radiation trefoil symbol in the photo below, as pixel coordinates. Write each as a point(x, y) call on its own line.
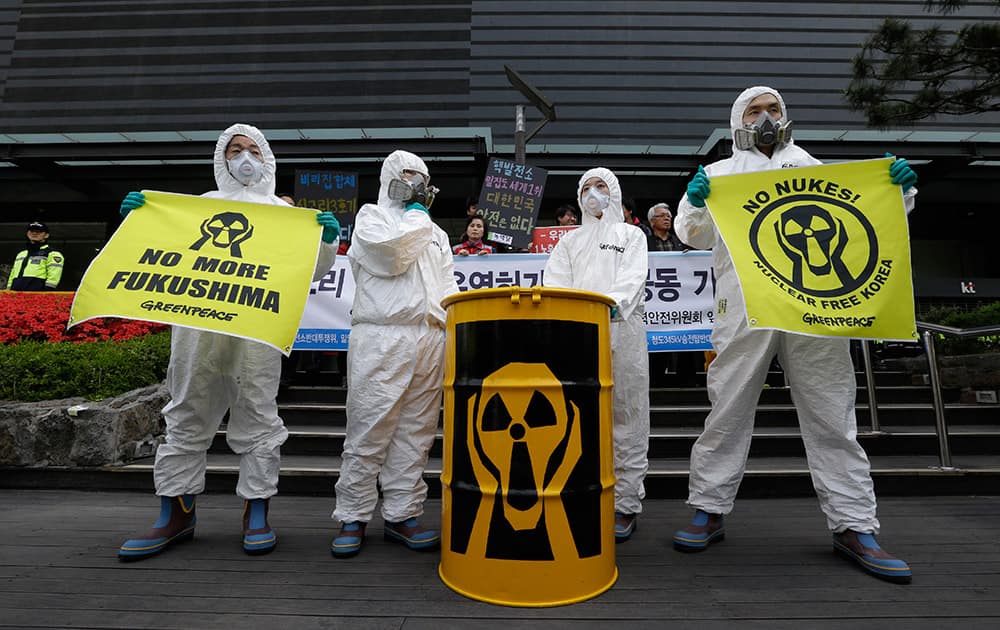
point(519, 422)
point(820, 246)
point(226, 230)
point(811, 238)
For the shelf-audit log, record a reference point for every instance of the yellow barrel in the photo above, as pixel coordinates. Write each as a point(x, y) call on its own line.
point(528, 476)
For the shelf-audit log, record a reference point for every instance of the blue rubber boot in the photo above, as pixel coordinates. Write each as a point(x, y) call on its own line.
point(258, 537)
point(412, 534)
point(349, 541)
point(704, 530)
point(866, 552)
point(176, 524)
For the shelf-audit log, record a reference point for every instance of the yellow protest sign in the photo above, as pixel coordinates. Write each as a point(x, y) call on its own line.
point(237, 268)
point(821, 250)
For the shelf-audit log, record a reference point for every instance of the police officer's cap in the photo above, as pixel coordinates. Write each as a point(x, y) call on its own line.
point(38, 226)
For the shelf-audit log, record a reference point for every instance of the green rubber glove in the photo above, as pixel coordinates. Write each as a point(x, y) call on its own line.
point(132, 201)
point(331, 226)
point(699, 188)
point(901, 172)
point(417, 206)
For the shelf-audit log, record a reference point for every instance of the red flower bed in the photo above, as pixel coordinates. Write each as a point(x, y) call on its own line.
point(42, 316)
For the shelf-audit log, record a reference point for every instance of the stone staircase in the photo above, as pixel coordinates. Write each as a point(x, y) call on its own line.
point(904, 453)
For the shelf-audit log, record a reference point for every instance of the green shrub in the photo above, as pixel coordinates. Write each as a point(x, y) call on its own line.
point(986, 315)
point(32, 371)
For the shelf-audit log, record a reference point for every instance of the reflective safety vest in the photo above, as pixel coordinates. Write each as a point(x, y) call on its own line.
point(37, 268)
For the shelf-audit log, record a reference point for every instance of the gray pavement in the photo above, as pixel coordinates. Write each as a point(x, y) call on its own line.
point(776, 569)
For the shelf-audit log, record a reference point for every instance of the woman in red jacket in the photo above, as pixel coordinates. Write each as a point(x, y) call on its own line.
point(473, 245)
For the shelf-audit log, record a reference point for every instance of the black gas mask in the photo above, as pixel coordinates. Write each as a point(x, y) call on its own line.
point(765, 132)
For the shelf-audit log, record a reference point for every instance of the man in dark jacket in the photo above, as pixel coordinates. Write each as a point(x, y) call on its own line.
point(661, 237)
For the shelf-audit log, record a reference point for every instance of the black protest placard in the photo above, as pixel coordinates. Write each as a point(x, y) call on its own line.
point(329, 191)
point(510, 199)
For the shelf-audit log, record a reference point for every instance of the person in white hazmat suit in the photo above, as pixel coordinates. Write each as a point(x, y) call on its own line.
point(608, 256)
point(819, 370)
point(210, 373)
point(403, 268)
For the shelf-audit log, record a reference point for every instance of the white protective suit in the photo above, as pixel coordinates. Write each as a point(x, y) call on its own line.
point(402, 265)
point(606, 255)
point(211, 372)
point(818, 370)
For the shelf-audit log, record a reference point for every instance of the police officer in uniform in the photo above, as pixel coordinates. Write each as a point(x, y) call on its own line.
point(39, 267)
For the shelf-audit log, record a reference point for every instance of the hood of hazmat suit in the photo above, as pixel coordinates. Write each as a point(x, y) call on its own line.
point(603, 255)
point(606, 255)
point(261, 191)
point(743, 100)
point(740, 107)
point(401, 260)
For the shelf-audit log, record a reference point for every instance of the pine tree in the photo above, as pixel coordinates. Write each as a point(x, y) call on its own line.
point(904, 74)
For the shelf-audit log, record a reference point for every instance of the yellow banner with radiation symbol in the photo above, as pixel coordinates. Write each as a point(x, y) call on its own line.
point(237, 268)
point(821, 250)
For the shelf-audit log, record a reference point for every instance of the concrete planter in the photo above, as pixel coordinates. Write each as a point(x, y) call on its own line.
point(76, 432)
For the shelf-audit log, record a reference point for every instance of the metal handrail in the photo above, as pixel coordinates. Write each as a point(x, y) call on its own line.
point(978, 331)
point(941, 426)
point(866, 355)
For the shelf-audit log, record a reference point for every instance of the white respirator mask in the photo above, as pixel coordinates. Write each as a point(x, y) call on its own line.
point(245, 168)
point(595, 202)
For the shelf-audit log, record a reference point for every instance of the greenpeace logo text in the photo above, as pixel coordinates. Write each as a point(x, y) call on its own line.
point(184, 309)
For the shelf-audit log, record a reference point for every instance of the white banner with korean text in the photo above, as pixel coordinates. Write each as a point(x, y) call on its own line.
point(680, 301)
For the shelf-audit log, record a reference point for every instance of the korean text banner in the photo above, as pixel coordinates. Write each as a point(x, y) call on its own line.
point(237, 268)
point(510, 199)
point(678, 300)
point(329, 191)
point(680, 292)
point(821, 250)
point(326, 322)
point(544, 239)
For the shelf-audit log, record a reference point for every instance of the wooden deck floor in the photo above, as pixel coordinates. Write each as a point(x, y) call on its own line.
point(776, 569)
